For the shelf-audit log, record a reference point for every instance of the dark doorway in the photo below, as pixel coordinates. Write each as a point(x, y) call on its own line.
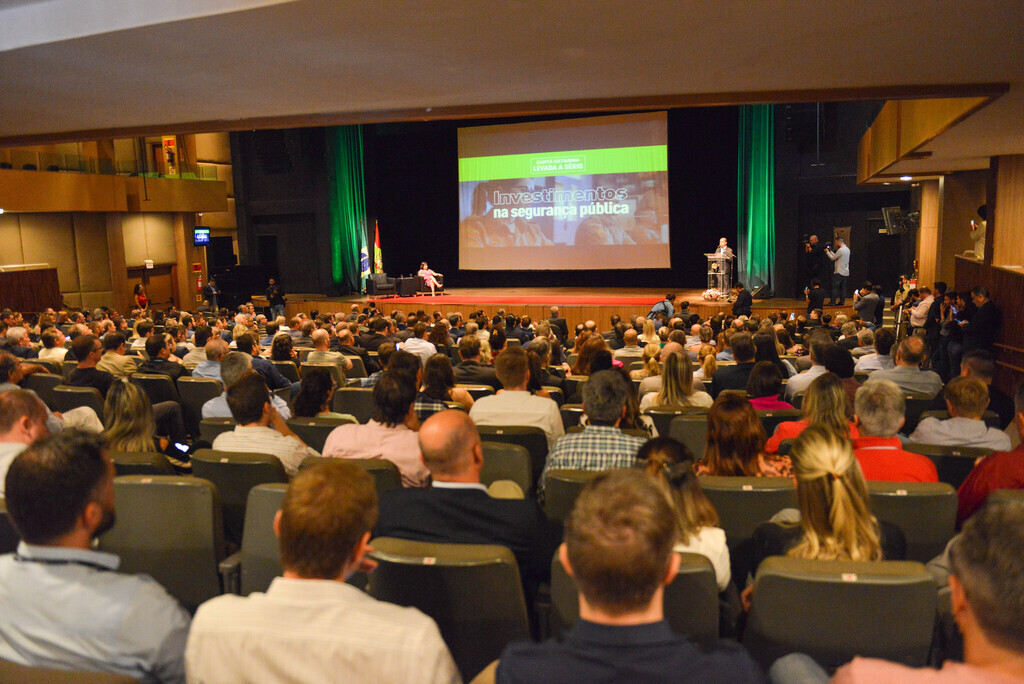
point(266, 254)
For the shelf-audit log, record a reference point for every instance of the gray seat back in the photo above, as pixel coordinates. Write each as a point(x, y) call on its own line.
point(663, 416)
point(924, 511)
point(288, 369)
point(385, 474)
point(533, 438)
point(357, 401)
point(234, 474)
point(771, 419)
point(503, 461)
point(472, 591)
point(260, 552)
point(334, 369)
point(835, 610)
point(158, 387)
point(141, 463)
point(571, 415)
point(691, 430)
point(66, 398)
point(358, 369)
point(477, 391)
point(209, 428)
point(169, 528)
point(561, 489)
point(193, 393)
point(743, 503)
point(314, 431)
point(954, 463)
point(43, 384)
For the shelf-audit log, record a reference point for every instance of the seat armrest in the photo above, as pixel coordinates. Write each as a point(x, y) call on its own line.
point(231, 573)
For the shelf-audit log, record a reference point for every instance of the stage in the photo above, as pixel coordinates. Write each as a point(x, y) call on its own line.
point(575, 304)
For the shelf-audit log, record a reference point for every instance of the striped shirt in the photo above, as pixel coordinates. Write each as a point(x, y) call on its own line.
point(265, 440)
point(598, 447)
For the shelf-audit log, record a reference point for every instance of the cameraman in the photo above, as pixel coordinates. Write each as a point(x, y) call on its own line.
point(815, 257)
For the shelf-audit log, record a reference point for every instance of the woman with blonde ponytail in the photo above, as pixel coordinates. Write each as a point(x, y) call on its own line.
point(835, 520)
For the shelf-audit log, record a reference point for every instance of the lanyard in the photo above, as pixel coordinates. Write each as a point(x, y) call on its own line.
point(53, 561)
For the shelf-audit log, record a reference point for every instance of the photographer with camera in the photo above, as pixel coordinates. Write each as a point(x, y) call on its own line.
point(815, 257)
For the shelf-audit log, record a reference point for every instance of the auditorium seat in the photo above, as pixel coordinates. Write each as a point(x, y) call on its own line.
point(379, 285)
point(337, 374)
point(258, 561)
point(691, 430)
point(302, 353)
point(355, 401)
point(477, 391)
point(141, 463)
point(43, 384)
point(771, 419)
point(66, 367)
point(835, 610)
point(51, 366)
point(690, 601)
point(532, 438)
point(561, 489)
point(234, 474)
point(663, 417)
point(358, 369)
point(924, 511)
point(288, 369)
point(555, 393)
point(66, 397)
point(503, 461)
point(209, 428)
point(472, 591)
point(169, 528)
point(385, 474)
point(193, 393)
point(314, 431)
point(571, 415)
point(743, 503)
point(916, 404)
point(574, 387)
point(954, 463)
point(157, 387)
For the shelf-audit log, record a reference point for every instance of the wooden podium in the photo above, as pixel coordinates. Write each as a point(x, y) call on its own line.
point(30, 287)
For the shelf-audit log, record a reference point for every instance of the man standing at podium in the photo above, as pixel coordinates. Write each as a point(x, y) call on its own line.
point(723, 265)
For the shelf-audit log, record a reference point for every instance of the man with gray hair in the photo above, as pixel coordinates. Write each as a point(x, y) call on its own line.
point(601, 445)
point(865, 343)
point(907, 373)
point(19, 344)
point(879, 409)
point(232, 367)
point(216, 349)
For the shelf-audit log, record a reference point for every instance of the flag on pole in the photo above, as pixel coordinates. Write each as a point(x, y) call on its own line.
point(378, 258)
point(364, 260)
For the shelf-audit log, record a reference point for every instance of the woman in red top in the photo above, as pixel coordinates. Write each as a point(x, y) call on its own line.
point(736, 442)
point(825, 403)
point(141, 300)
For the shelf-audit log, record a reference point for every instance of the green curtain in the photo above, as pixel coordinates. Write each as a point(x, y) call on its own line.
point(756, 196)
point(347, 207)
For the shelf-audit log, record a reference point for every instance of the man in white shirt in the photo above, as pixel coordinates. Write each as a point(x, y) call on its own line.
point(966, 399)
point(310, 626)
point(919, 314)
point(515, 405)
point(841, 257)
point(260, 428)
point(819, 344)
point(418, 345)
point(885, 338)
point(203, 335)
point(22, 422)
point(53, 340)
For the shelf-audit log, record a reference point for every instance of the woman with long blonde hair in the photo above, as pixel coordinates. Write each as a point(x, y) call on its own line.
point(128, 420)
point(651, 354)
point(649, 335)
point(677, 386)
point(707, 363)
point(825, 403)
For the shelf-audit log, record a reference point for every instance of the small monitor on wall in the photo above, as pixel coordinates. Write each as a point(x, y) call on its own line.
point(201, 235)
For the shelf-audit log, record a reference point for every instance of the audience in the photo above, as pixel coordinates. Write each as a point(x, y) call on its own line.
point(456, 508)
point(1004, 470)
point(471, 370)
point(64, 604)
point(677, 387)
point(215, 351)
point(159, 351)
point(22, 422)
point(670, 463)
point(652, 383)
point(438, 388)
point(314, 398)
point(601, 445)
point(53, 340)
point(514, 405)
point(820, 341)
point(882, 359)
point(879, 414)
point(736, 439)
point(88, 350)
point(966, 401)
point(764, 387)
point(130, 426)
point(619, 549)
point(322, 352)
point(232, 367)
point(908, 373)
point(114, 360)
point(259, 428)
point(391, 433)
point(310, 625)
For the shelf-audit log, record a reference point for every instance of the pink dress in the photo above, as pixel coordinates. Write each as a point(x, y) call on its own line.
point(426, 274)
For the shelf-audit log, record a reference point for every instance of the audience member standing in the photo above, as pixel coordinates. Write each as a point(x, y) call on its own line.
point(841, 258)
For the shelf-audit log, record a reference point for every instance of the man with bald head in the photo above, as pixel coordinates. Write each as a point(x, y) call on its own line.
point(216, 349)
point(457, 509)
point(911, 353)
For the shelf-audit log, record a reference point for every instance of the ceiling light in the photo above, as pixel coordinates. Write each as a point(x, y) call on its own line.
point(906, 178)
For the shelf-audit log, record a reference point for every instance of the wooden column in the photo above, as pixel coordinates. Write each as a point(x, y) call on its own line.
point(928, 234)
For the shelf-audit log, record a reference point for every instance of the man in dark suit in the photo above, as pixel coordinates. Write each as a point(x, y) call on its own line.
point(457, 508)
point(980, 330)
point(736, 376)
point(372, 341)
point(558, 325)
point(744, 300)
point(159, 362)
point(347, 346)
point(470, 371)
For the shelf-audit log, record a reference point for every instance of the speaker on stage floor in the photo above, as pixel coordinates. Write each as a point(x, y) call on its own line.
point(763, 292)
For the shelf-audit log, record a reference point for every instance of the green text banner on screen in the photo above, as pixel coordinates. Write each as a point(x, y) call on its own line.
point(586, 193)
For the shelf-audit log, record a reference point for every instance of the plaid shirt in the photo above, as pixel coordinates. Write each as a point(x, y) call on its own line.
point(598, 447)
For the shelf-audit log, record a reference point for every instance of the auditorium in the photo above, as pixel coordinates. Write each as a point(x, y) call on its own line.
point(413, 341)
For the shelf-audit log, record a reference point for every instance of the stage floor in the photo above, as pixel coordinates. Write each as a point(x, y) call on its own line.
point(575, 304)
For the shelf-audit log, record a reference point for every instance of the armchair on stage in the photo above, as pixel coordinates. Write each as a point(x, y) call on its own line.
point(378, 284)
point(720, 273)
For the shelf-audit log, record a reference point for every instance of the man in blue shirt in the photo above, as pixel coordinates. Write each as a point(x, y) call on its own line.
point(618, 548)
point(841, 257)
point(64, 606)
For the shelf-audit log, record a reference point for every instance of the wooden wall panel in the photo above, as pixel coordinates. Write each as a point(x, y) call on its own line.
point(160, 238)
point(1008, 234)
point(133, 227)
point(961, 195)
point(928, 233)
point(91, 252)
point(36, 191)
point(885, 136)
point(1006, 287)
point(170, 194)
point(10, 239)
point(30, 291)
point(923, 120)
